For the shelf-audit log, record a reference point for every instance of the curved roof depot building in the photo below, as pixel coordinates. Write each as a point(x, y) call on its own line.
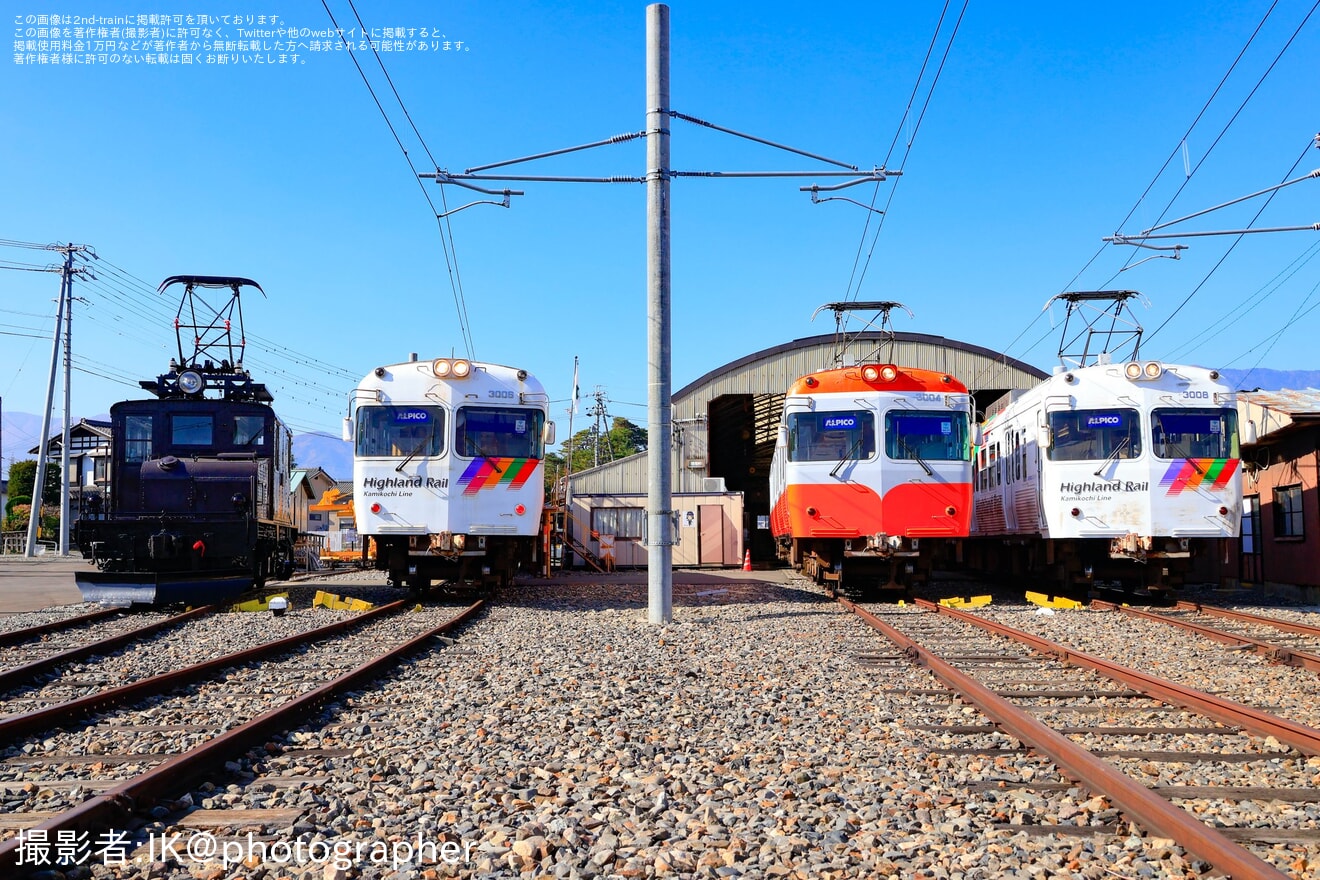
point(725, 424)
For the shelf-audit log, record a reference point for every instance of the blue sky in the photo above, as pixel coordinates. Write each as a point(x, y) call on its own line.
point(1046, 126)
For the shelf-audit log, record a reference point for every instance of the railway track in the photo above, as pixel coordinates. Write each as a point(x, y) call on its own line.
point(102, 772)
point(1117, 745)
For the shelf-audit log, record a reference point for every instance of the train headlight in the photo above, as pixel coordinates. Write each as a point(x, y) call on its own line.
point(1132, 370)
point(190, 382)
point(462, 369)
point(870, 373)
point(441, 367)
point(888, 373)
point(1153, 370)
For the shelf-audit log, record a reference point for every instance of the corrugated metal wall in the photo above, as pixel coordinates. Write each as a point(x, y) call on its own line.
point(771, 371)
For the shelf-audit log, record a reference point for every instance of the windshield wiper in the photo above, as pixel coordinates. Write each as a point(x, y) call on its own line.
point(921, 461)
point(1113, 455)
point(420, 446)
point(1186, 456)
point(479, 451)
point(848, 456)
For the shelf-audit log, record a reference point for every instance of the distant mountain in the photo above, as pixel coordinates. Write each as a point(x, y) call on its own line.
point(22, 431)
point(1271, 380)
point(329, 453)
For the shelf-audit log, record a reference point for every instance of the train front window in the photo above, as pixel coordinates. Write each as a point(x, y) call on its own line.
point(1194, 433)
point(831, 436)
point(498, 432)
point(400, 431)
point(1095, 434)
point(137, 438)
point(249, 431)
point(192, 430)
point(926, 436)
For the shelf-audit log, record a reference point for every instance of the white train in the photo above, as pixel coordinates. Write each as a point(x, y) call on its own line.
point(447, 473)
point(1115, 473)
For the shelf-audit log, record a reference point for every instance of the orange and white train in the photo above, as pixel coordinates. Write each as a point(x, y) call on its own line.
point(871, 479)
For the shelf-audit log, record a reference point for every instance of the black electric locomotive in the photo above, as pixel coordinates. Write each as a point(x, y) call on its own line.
point(198, 509)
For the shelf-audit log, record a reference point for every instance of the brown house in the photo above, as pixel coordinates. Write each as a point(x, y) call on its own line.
point(1279, 549)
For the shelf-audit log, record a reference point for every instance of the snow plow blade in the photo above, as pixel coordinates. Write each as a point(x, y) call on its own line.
point(145, 588)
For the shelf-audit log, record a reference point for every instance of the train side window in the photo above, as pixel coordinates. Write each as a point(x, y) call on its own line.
point(249, 431)
point(137, 438)
point(191, 430)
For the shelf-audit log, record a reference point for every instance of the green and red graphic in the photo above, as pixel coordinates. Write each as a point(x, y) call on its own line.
point(1192, 473)
point(487, 473)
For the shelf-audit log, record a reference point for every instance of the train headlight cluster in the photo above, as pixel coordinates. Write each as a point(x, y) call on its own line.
point(885, 373)
point(451, 368)
point(1149, 370)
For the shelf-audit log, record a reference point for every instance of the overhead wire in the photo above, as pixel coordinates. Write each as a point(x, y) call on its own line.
point(853, 293)
point(1178, 148)
point(459, 303)
point(1236, 241)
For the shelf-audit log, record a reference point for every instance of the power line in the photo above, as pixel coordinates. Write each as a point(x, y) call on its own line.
point(907, 151)
point(445, 247)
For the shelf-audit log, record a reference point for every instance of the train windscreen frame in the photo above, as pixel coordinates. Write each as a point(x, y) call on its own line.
point(499, 432)
point(1202, 432)
point(391, 431)
point(1094, 434)
point(833, 435)
point(916, 435)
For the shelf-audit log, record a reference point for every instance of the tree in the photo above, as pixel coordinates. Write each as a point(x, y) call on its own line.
point(590, 448)
point(23, 478)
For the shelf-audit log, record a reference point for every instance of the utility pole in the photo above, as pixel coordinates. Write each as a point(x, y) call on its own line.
point(659, 416)
point(660, 440)
point(63, 314)
point(39, 484)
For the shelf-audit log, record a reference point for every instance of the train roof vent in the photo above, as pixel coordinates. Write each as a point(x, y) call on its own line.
point(713, 484)
point(1002, 403)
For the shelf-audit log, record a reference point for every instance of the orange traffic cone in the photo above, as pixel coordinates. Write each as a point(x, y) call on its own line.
point(747, 560)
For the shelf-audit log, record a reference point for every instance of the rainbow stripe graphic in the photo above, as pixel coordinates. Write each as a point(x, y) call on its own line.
point(1191, 473)
point(487, 473)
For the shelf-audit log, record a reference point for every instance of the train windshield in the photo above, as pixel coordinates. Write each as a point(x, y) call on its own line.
point(498, 432)
point(400, 430)
point(831, 436)
point(1194, 433)
point(1095, 434)
point(926, 436)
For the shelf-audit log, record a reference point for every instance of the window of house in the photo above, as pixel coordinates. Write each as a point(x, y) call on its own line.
point(623, 523)
point(99, 468)
point(1288, 512)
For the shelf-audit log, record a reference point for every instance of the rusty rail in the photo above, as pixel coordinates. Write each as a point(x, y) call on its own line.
point(17, 636)
point(1141, 804)
point(14, 726)
point(21, 675)
point(1277, 653)
point(1303, 629)
point(1300, 737)
point(116, 805)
